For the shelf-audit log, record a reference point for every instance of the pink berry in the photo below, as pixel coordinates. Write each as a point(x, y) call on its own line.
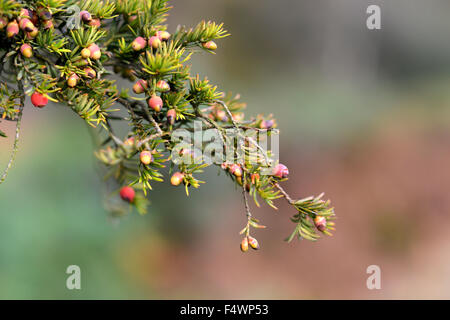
point(155, 103)
point(138, 44)
point(280, 171)
point(154, 42)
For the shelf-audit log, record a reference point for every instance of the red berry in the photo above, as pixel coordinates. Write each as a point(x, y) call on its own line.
point(176, 178)
point(280, 171)
point(155, 103)
point(38, 99)
point(127, 193)
point(320, 223)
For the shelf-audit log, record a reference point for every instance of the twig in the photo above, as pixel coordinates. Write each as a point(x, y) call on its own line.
point(223, 104)
point(244, 193)
point(284, 193)
point(16, 139)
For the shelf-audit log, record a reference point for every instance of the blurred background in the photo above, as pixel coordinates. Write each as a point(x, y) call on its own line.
point(363, 117)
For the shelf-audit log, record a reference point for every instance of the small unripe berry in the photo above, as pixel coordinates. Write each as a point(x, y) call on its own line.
point(320, 223)
point(280, 171)
point(90, 73)
point(146, 157)
point(163, 35)
point(95, 23)
point(132, 18)
point(154, 42)
point(45, 15)
point(82, 62)
point(138, 44)
point(221, 115)
point(127, 193)
point(39, 100)
point(255, 178)
point(140, 86)
point(155, 103)
point(32, 34)
point(244, 245)
point(85, 16)
point(72, 80)
point(26, 25)
point(266, 124)
point(129, 142)
point(162, 85)
point(238, 117)
point(253, 243)
point(95, 51)
point(48, 24)
point(26, 50)
point(85, 53)
point(25, 13)
point(128, 73)
point(3, 22)
point(171, 116)
point(12, 29)
point(210, 45)
point(176, 178)
point(236, 170)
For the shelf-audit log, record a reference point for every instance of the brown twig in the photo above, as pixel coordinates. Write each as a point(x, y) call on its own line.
point(16, 139)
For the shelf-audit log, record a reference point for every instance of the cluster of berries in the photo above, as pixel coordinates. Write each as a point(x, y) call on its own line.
point(154, 42)
point(28, 21)
point(155, 102)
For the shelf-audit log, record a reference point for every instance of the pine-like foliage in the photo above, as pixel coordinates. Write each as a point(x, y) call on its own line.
point(66, 51)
